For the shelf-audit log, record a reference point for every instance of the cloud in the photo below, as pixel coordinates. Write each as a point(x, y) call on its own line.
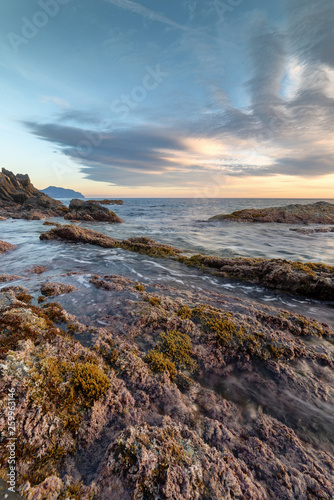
point(136, 8)
point(55, 100)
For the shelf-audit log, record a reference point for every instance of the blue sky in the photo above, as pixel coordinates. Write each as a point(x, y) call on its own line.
point(188, 98)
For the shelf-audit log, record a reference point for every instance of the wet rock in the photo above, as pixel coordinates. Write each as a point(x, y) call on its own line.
point(51, 289)
point(37, 270)
point(253, 420)
point(305, 279)
point(4, 278)
point(6, 247)
point(79, 235)
point(313, 231)
point(107, 202)
point(316, 213)
point(87, 211)
point(21, 200)
point(49, 223)
point(140, 245)
point(3, 218)
point(150, 247)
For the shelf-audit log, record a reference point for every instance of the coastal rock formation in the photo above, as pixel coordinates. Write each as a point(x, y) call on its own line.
point(305, 279)
point(87, 211)
point(6, 247)
point(315, 213)
point(181, 395)
point(21, 200)
point(78, 234)
point(313, 231)
point(81, 235)
point(51, 289)
point(108, 202)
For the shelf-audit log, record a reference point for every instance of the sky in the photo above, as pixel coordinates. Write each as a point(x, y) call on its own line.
point(157, 98)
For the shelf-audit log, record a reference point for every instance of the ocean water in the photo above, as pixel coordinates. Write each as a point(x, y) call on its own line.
point(183, 224)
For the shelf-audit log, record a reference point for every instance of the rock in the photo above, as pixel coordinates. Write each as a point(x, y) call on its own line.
point(107, 202)
point(51, 289)
point(313, 231)
point(49, 223)
point(79, 235)
point(21, 200)
point(6, 247)
point(87, 211)
point(4, 278)
point(3, 218)
point(305, 279)
point(315, 213)
point(37, 270)
point(249, 418)
point(142, 245)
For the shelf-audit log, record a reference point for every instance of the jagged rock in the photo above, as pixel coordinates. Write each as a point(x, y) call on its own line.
point(6, 247)
point(87, 211)
point(51, 289)
point(321, 212)
point(21, 200)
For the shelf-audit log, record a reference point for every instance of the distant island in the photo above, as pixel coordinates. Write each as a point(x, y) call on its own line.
point(58, 192)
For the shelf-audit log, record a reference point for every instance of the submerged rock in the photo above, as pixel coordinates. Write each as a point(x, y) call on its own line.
point(51, 289)
point(6, 247)
point(108, 202)
point(21, 200)
point(321, 212)
point(313, 231)
point(88, 211)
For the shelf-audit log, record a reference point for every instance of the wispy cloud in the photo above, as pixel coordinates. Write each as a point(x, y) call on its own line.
point(136, 8)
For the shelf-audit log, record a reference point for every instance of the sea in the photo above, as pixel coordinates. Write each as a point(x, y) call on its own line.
point(184, 224)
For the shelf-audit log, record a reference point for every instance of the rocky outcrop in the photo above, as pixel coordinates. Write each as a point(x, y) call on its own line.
point(305, 279)
point(108, 202)
point(51, 289)
point(6, 247)
point(21, 200)
point(181, 395)
point(315, 213)
point(315, 230)
point(88, 211)
point(78, 234)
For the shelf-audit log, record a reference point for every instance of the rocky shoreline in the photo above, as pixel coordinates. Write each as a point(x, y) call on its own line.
point(304, 279)
point(125, 390)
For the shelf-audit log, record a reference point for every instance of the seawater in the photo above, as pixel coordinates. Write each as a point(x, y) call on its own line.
point(183, 224)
